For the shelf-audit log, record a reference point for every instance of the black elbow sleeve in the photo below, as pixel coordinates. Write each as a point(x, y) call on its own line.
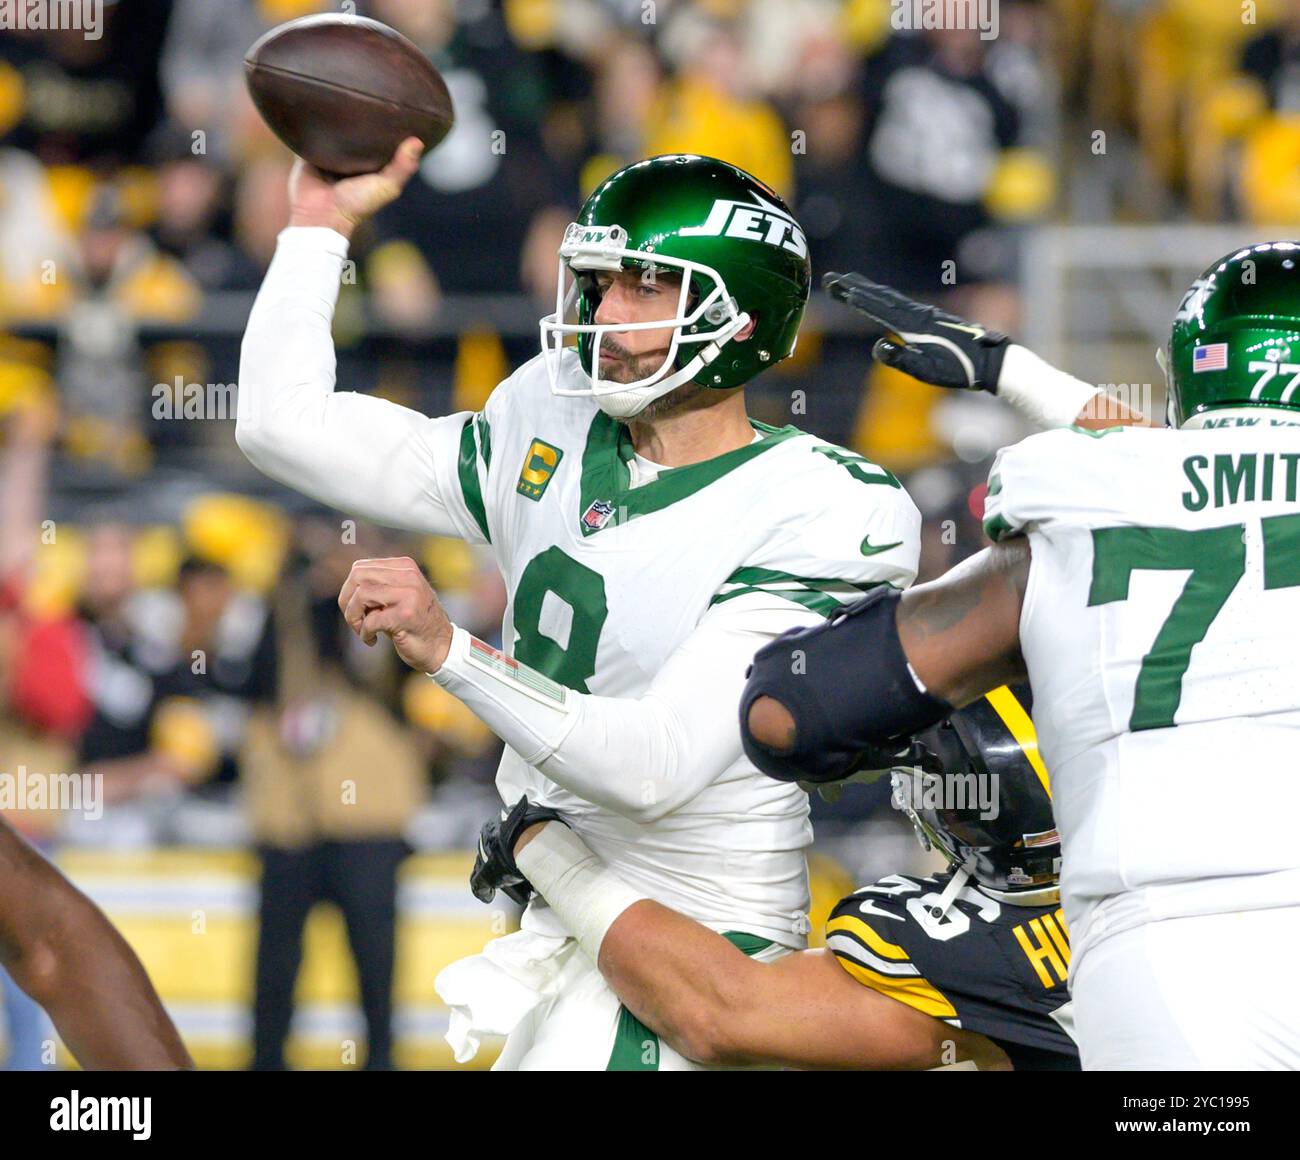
point(849, 688)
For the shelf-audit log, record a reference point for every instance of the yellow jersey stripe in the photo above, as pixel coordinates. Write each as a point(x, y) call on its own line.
point(851, 925)
point(912, 990)
point(1021, 727)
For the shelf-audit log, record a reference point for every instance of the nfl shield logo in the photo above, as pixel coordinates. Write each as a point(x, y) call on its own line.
point(597, 516)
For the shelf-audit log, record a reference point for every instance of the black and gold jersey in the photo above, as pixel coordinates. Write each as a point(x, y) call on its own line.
point(986, 966)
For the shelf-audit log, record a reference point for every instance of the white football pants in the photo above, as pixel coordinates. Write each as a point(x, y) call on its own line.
point(1210, 991)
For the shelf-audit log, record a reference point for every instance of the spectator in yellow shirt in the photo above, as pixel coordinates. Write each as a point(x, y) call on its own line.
point(708, 109)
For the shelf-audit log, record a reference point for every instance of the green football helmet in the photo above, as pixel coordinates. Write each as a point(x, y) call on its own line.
point(1236, 336)
point(740, 255)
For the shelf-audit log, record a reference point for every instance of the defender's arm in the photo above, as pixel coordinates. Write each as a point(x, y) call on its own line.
point(713, 1003)
point(716, 1005)
point(892, 667)
point(943, 350)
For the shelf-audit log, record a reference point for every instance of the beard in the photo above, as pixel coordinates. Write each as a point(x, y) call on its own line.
point(678, 399)
point(632, 367)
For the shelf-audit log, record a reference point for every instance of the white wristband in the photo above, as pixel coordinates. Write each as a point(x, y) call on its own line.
point(586, 895)
point(1046, 396)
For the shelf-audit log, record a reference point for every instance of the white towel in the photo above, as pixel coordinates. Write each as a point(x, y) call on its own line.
point(493, 992)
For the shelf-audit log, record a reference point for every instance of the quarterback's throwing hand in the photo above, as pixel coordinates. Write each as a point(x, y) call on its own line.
point(934, 346)
point(391, 596)
point(341, 204)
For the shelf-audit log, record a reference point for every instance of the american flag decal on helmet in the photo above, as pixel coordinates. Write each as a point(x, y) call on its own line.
point(1213, 357)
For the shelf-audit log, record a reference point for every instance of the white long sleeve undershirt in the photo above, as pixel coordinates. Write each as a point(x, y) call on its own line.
point(1046, 395)
point(360, 454)
point(641, 757)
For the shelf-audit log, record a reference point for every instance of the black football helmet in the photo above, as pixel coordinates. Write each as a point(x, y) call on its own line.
point(982, 796)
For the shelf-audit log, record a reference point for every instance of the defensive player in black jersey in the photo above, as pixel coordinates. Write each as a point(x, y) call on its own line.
point(982, 946)
point(969, 965)
point(58, 946)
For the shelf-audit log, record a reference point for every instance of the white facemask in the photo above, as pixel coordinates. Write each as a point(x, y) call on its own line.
point(587, 248)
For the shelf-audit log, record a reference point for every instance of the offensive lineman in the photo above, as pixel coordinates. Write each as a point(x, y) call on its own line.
point(1146, 580)
point(651, 537)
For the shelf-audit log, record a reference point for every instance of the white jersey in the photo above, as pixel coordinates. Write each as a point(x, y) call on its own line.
point(621, 576)
point(607, 579)
point(1161, 631)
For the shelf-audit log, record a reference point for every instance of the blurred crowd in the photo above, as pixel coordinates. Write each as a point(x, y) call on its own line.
point(168, 618)
point(143, 194)
point(140, 199)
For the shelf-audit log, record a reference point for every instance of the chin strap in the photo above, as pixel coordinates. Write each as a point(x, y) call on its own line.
point(630, 403)
point(959, 878)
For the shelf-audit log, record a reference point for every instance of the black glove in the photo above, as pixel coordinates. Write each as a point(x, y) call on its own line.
point(937, 347)
point(494, 868)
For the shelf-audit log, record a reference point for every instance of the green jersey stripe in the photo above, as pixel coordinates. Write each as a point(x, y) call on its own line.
point(467, 468)
point(825, 596)
point(605, 475)
point(997, 528)
point(818, 602)
point(770, 577)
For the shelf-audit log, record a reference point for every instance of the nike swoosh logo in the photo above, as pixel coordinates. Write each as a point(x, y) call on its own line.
point(870, 549)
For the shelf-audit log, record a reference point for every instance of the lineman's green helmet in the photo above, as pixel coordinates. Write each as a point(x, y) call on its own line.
point(1236, 336)
point(740, 254)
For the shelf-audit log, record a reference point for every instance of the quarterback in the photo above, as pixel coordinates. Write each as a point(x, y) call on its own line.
point(651, 537)
point(1146, 581)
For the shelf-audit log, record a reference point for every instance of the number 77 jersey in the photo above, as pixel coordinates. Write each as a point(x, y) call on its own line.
point(1161, 632)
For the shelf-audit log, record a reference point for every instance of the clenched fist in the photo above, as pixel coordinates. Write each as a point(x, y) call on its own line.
point(393, 597)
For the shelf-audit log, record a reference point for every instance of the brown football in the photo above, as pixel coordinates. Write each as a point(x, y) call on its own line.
point(343, 91)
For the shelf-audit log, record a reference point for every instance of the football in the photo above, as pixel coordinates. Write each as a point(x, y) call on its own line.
point(342, 91)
